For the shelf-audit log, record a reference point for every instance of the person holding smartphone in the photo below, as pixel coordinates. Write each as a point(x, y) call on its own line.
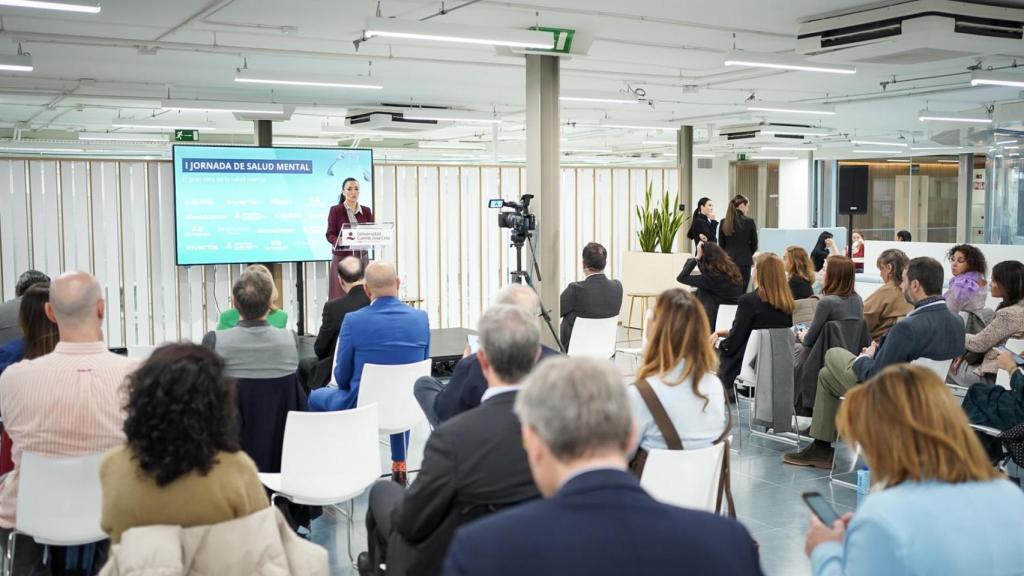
point(931, 481)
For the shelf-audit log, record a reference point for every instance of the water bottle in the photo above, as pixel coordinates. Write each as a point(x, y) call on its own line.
point(863, 484)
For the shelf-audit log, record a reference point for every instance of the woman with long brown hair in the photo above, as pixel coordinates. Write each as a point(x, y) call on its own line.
point(839, 300)
point(929, 476)
point(738, 235)
point(678, 365)
point(770, 305)
point(719, 281)
point(39, 333)
point(800, 271)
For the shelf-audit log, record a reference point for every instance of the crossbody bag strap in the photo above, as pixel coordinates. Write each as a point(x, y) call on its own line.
point(725, 485)
point(661, 419)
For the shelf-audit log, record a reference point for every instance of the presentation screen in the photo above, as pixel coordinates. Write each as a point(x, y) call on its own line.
point(242, 204)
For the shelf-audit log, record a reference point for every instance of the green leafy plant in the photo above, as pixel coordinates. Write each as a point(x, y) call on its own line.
point(670, 220)
point(647, 234)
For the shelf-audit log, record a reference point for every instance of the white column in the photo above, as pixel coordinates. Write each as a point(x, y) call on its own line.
point(794, 193)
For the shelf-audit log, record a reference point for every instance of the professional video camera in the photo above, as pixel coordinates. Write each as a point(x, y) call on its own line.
point(519, 220)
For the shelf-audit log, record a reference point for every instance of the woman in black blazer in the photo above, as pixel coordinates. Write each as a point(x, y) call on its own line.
point(823, 248)
point(770, 305)
point(718, 282)
point(703, 226)
point(800, 270)
point(739, 236)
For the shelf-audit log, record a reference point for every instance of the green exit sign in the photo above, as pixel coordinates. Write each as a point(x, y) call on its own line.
point(562, 36)
point(186, 135)
point(741, 157)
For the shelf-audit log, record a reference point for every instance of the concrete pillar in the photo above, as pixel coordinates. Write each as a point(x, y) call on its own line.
point(264, 133)
point(965, 192)
point(684, 170)
point(543, 178)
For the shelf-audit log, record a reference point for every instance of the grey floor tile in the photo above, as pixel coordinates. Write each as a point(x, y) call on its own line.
point(782, 552)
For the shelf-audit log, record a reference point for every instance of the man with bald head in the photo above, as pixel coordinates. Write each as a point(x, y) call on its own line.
point(385, 332)
point(66, 403)
point(351, 277)
point(441, 401)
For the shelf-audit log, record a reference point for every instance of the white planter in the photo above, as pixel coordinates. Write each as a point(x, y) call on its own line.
point(647, 272)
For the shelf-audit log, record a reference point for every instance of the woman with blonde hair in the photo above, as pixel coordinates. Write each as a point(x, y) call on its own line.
point(930, 478)
point(276, 317)
point(770, 305)
point(800, 271)
point(678, 373)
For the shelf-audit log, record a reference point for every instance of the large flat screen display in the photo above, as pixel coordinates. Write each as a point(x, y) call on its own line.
point(242, 204)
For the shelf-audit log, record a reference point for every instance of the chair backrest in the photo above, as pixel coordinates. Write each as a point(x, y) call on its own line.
point(140, 352)
point(684, 478)
point(940, 367)
point(60, 499)
point(351, 463)
point(726, 315)
point(1002, 376)
point(593, 337)
point(390, 388)
point(748, 373)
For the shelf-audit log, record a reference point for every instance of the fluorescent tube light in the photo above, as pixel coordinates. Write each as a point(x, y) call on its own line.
point(897, 160)
point(83, 6)
point(244, 75)
point(789, 148)
point(598, 97)
point(1004, 142)
point(123, 137)
point(773, 157)
point(997, 79)
point(450, 146)
point(449, 116)
point(862, 151)
point(436, 32)
point(948, 161)
point(789, 108)
point(795, 131)
point(627, 125)
point(878, 143)
point(586, 150)
point(219, 106)
point(161, 123)
point(936, 116)
point(16, 62)
point(783, 62)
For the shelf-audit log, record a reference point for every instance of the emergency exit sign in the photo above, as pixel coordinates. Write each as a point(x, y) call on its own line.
point(186, 135)
point(562, 39)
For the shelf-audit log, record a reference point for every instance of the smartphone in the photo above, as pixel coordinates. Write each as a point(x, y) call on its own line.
point(474, 343)
point(801, 327)
point(821, 508)
point(1016, 357)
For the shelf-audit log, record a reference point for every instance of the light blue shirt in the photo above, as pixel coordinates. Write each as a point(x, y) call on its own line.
point(931, 528)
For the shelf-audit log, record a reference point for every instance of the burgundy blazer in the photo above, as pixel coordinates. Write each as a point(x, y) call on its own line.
point(339, 216)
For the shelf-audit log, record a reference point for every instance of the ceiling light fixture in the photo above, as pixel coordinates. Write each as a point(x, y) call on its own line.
point(163, 123)
point(776, 130)
point(789, 108)
point(789, 148)
point(247, 76)
point(450, 146)
point(1004, 142)
point(123, 137)
point(783, 62)
point(862, 151)
point(435, 32)
point(878, 143)
point(935, 116)
point(997, 79)
point(773, 157)
point(598, 97)
point(626, 125)
point(219, 106)
point(586, 150)
point(897, 160)
point(83, 6)
point(948, 161)
point(19, 62)
point(449, 116)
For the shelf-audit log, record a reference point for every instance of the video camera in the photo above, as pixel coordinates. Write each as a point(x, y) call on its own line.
point(519, 220)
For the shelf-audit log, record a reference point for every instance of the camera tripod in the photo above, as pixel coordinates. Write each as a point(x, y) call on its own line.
point(520, 276)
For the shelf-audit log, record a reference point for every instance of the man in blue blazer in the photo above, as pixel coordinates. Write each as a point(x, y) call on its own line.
point(595, 519)
point(385, 332)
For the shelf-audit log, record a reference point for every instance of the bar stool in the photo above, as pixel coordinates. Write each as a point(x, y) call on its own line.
point(645, 298)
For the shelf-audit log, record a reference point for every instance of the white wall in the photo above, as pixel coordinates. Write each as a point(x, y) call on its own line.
point(794, 193)
point(713, 183)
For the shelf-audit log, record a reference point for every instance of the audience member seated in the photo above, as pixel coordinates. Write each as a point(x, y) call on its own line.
point(979, 363)
point(253, 348)
point(719, 281)
point(929, 331)
point(596, 296)
point(181, 464)
point(994, 406)
point(385, 332)
point(66, 403)
point(38, 334)
point(473, 464)
point(350, 277)
point(929, 476)
point(823, 248)
point(800, 271)
point(678, 369)
point(9, 329)
point(967, 287)
point(770, 305)
point(857, 250)
point(595, 519)
point(276, 317)
point(839, 301)
point(903, 236)
point(886, 305)
point(442, 401)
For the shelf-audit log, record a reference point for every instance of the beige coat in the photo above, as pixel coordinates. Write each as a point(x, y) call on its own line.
point(260, 544)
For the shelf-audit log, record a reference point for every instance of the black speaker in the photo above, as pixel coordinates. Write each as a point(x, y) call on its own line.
point(853, 190)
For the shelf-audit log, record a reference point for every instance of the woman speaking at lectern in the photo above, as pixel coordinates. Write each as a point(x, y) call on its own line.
point(346, 211)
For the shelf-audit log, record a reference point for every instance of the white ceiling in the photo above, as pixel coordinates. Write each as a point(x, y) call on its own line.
point(90, 69)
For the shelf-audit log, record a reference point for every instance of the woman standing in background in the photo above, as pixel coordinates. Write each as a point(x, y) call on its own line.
point(348, 210)
point(739, 236)
point(703, 227)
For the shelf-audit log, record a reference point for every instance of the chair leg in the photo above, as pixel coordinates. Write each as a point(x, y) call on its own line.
point(9, 556)
point(351, 527)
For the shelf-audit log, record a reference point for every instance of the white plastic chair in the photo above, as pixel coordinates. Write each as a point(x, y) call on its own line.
point(593, 338)
point(637, 352)
point(684, 478)
point(140, 352)
point(940, 367)
point(390, 388)
point(726, 315)
point(1016, 346)
point(327, 458)
point(59, 502)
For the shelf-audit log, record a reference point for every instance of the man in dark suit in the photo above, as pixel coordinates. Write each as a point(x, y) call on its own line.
point(595, 297)
point(929, 331)
point(9, 329)
point(595, 518)
point(441, 401)
point(473, 464)
point(350, 276)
